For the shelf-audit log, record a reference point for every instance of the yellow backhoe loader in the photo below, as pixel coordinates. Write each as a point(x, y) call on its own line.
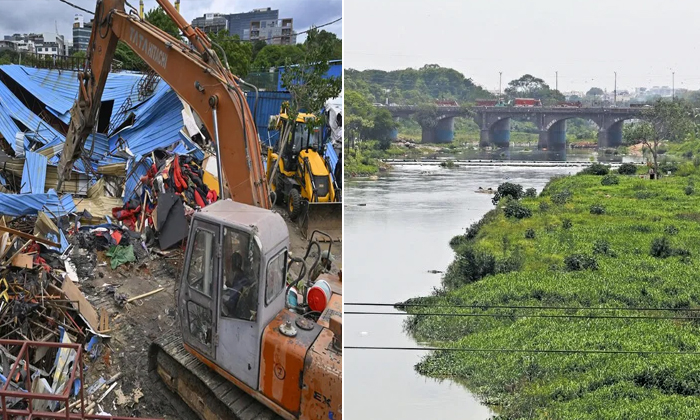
point(303, 181)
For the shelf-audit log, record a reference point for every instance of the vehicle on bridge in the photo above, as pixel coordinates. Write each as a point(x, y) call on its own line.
point(491, 102)
point(576, 104)
point(527, 102)
point(640, 106)
point(445, 102)
point(486, 102)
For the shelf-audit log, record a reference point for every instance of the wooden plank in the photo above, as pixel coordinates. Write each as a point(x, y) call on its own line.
point(80, 303)
point(29, 236)
point(23, 261)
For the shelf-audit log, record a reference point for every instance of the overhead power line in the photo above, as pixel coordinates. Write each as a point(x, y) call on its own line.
point(561, 308)
point(77, 7)
point(472, 315)
point(550, 351)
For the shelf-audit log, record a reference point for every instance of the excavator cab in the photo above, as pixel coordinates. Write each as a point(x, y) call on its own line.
point(232, 303)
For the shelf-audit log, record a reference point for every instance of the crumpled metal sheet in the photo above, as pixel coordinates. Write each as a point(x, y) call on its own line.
point(34, 173)
point(31, 204)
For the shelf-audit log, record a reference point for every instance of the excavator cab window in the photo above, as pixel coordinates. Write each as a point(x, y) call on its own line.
point(275, 278)
point(199, 276)
point(241, 261)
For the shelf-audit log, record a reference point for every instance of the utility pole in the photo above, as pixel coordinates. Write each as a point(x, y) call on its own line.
point(673, 85)
point(615, 92)
point(556, 81)
point(500, 78)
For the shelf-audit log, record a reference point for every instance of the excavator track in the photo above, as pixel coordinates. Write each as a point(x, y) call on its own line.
point(207, 393)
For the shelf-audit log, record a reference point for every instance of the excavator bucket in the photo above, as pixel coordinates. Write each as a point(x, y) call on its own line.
point(326, 217)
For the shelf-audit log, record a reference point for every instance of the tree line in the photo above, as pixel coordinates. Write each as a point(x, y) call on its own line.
point(243, 57)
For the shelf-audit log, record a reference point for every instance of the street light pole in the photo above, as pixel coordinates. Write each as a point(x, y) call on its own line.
point(615, 92)
point(556, 81)
point(500, 78)
point(673, 85)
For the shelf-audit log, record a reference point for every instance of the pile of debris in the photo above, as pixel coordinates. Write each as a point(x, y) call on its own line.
point(142, 174)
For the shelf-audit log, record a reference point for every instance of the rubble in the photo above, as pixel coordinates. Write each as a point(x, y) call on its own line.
point(125, 207)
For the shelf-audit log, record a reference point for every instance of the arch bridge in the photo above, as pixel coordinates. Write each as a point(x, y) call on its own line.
point(494, 123)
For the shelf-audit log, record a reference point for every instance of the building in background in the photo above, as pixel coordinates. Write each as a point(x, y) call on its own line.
point(211, 22)
point(45, 44)
point(81, 34)
point(258, 24)
point(239, 23)
point(278, 32)
point(50, 44)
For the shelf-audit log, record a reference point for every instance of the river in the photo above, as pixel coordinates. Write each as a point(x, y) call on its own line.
point(390, 243)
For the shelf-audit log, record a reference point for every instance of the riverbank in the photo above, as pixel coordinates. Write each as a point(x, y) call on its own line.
point(584, 245)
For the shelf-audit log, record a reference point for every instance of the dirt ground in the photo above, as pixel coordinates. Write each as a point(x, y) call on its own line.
point(134, 327)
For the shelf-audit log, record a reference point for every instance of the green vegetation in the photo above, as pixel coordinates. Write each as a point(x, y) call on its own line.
point(639, 252)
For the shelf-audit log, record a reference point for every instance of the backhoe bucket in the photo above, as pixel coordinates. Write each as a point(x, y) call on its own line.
point(326, 217)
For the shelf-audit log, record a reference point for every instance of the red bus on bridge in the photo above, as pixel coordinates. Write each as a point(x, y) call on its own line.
point(527, 102)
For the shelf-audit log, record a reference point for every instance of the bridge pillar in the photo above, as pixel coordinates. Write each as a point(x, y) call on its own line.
point(484, 138)
point(615, 135)
point(445, 130)
point(500, 133)
point(427, 135)
point(557, 136)
point(394, 134)
point(543, 141)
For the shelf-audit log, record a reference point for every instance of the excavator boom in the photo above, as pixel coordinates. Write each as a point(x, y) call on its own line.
point(194, 73)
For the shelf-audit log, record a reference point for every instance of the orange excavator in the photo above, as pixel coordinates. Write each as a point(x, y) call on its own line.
point(249, 347)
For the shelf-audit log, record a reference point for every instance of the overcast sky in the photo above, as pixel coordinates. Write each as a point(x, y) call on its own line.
point(24, 16)
point(586, 41)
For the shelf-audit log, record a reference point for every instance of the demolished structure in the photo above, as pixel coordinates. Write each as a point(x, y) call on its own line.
point(143, 171)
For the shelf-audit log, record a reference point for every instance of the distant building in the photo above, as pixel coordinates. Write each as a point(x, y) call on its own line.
point(278, 32)
point(239, 23)
point(45, 44)
point(211, 22)
point(6, 45)
point(258, 24)
point(50, 44)
point(81, 34)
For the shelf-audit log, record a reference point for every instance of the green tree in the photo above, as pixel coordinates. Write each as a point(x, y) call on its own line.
point(383, 126)
point(594, 91)
point(258, 45)
point(79, 54)
point(359, 116)
point(308, 85)
point(238, 54)
point(277, 55)
point(529, 86)
point(670, 121)
point(127, 58)
point(159, 18)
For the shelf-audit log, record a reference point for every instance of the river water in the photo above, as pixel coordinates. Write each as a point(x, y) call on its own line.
point(402, 231)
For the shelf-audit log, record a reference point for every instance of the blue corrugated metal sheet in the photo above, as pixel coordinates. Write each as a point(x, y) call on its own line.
point(30, 204)
point(158, 125)
point(40, 131)
point(34, 173)
point(132, 182)
point(58, 90)
point(269, 103)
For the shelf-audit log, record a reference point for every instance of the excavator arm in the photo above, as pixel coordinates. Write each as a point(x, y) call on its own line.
point(195, 73)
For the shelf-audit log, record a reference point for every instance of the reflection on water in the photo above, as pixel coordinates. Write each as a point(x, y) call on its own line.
point(391, 242)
